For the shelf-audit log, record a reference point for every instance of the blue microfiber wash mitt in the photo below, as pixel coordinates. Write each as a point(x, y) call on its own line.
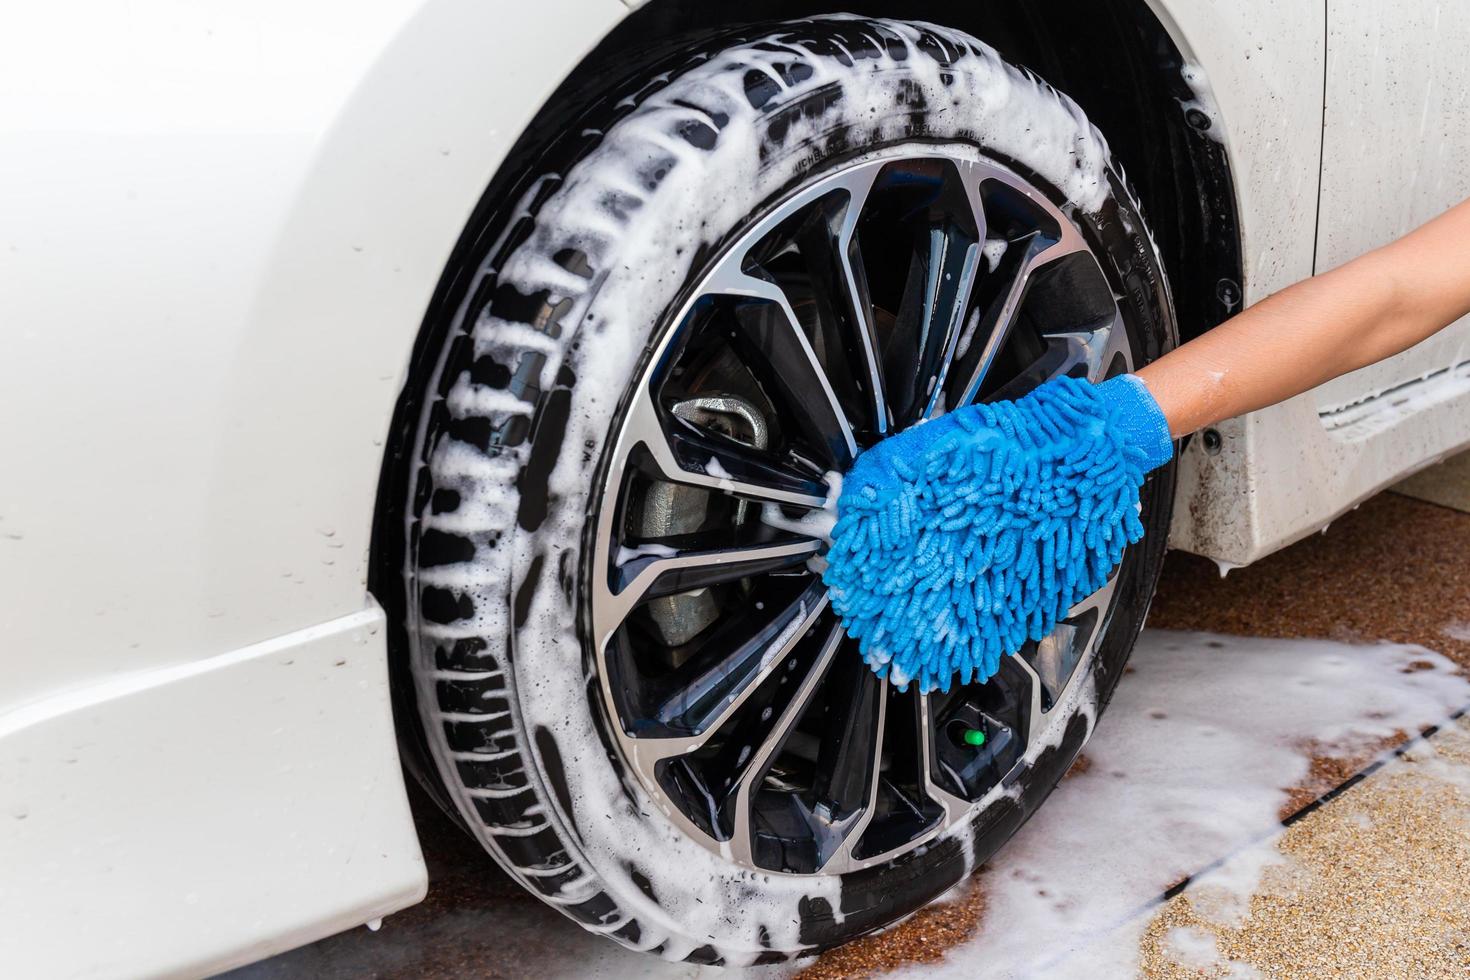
point(961, 538)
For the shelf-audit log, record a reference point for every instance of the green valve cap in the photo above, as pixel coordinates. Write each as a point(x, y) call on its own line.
point(975, 737)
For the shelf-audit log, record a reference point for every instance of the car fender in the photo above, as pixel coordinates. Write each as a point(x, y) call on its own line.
point(222, 226)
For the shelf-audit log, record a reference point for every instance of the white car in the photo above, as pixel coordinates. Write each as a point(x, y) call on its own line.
point(459, 385)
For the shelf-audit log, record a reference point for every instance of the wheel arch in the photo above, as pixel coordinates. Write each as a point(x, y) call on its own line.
point(1117, 60)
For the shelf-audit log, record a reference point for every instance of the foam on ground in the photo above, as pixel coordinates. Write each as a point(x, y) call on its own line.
point(1191, 764)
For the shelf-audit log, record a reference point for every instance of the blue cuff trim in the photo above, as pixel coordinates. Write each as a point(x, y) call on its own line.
point(1132, 408)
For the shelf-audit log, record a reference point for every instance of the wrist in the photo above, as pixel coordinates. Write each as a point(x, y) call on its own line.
point(1132, 407)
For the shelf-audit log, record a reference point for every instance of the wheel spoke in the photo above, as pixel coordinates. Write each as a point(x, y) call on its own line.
point(716, 695)
point(954, 806)
point(994, 324)
point(794, 367)
point(734, 468)
point(855, 279)
point(926, 328)
point(1085, 353)
point(1100, 601)
point(1036, 724)
point(970, 177)
point(1104, 350)
point(964, 291)
point(846, 787)
point(683, 453)
point(649, 575)
point(741, 844)
point(872, 766)
point(957, 301)
point(1052, 662)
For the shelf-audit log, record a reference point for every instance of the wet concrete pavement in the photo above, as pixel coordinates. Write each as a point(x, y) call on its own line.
point(1396, 569)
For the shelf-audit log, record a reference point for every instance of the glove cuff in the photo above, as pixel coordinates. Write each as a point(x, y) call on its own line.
point(1131, 407)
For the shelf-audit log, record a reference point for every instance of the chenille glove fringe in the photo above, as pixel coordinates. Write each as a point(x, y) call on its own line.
point(958, 540)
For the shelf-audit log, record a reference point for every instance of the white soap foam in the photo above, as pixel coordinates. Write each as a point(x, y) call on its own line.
point(814, 523)
point(713, 467)
point(1222, 894)
point(993, 249)
point(1203, 101)
point(1191, 947)
point(1192, 765)
point(1425, 760)
point(651, 549)
point(967, 336)
point(1457, 631)
point(1385, 410)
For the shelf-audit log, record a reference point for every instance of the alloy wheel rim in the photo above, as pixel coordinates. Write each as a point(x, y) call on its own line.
point(876, 295)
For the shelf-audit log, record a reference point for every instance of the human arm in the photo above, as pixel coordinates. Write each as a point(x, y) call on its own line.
point(1361, 312)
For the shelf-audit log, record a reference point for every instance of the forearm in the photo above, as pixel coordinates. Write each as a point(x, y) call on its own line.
point(1357, 314)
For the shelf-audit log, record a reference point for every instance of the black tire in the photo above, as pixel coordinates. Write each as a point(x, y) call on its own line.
point(523, 384)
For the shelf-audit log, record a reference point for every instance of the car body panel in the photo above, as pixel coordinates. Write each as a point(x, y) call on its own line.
point(1396, 153)
point(182, 821)
point(220, 227)
point(210, 292)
